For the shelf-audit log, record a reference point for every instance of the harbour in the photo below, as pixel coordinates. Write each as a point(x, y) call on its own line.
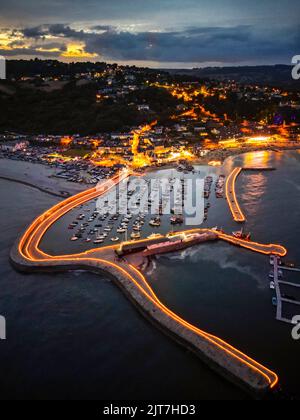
point(205, 247)
point(27, 255)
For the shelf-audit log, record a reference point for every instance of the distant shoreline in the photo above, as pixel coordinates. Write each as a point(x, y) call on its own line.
point(222, 155)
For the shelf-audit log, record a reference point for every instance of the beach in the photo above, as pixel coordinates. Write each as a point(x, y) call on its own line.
point(38, 176)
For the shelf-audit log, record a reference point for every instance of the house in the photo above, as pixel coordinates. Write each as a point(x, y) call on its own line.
point(15, 146)
point(143, 108)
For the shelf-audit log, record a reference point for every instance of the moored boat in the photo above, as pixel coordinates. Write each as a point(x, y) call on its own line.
point(241, 235)
point(116, 239)
point(135, 235)
point(156, 222)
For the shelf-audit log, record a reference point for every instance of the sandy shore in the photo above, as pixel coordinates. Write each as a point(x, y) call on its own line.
point(37, 176)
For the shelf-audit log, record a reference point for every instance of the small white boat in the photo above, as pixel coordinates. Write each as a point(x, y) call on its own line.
point(116, 239)
point(154, 235)
point(121, 230)
point(74, 238)
point(135, 236)
point(155, 222)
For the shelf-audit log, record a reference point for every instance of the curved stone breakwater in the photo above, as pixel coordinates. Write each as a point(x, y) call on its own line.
point(26, 256)
point(231, 197)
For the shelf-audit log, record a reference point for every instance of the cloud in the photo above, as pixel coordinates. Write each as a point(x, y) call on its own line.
point(56, 30)
point(29, 52)
point(102, 28)
point(159, 11)
point(223, 31)
point(197, 44)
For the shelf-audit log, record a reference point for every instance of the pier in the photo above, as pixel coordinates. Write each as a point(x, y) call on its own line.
point(219, 355)
point(279, 297)
point(231, 197)
point(295, 270)
point(140, 246)
point(266, 249)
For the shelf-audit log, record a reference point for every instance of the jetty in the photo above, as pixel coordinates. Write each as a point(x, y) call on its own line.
point(231, 197)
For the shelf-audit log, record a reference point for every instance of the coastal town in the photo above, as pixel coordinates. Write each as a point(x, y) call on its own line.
point(201, 126)
point(142, 122)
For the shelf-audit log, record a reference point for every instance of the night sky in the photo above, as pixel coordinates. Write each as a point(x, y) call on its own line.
point(155, 33)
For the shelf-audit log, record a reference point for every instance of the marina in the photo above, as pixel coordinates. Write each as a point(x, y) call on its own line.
point(141, 212)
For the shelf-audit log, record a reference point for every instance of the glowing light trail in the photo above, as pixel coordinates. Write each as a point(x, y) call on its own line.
point(235, 209)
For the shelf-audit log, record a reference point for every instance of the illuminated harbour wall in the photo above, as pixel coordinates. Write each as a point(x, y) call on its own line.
point(230, 362)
